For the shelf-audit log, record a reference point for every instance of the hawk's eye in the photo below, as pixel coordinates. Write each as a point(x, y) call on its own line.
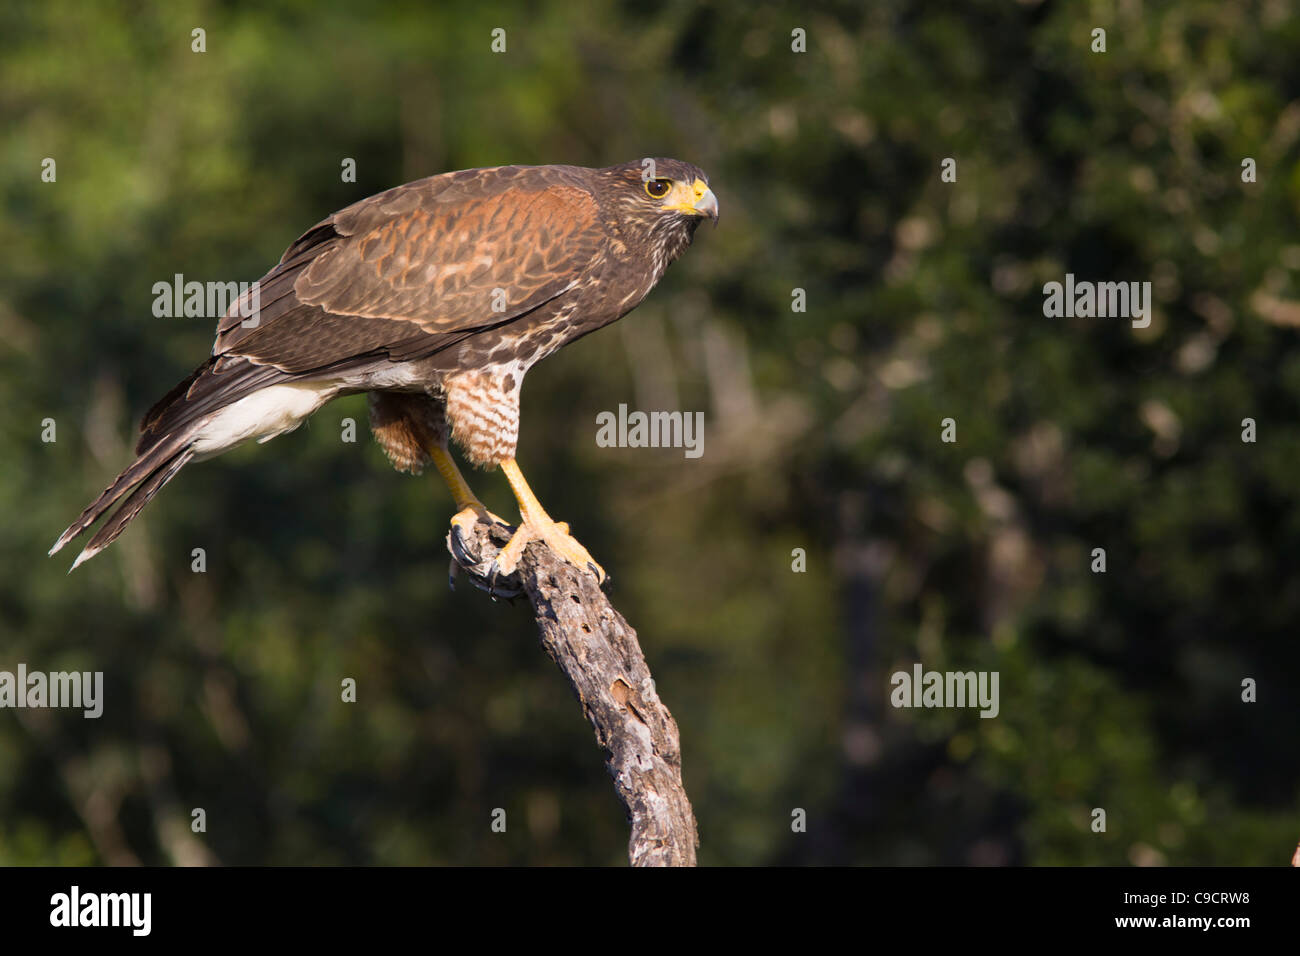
point(658, 188)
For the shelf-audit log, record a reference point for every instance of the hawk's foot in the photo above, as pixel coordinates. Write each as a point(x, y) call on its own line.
point(555, 534)
point(538, 526)
point(470, 514)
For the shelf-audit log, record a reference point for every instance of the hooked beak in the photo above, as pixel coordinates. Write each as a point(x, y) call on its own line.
point(696, 200)
point(706, 204)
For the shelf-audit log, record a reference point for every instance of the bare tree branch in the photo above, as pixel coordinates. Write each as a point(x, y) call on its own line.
point(599, 655)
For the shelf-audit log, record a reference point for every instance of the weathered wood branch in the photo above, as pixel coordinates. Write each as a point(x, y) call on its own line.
point(598, 653)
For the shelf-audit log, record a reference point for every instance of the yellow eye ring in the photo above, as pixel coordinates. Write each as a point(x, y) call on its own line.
point(658, 188)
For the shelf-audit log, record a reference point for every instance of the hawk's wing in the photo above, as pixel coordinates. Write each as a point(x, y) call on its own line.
point(403, 270)
point(399, 276)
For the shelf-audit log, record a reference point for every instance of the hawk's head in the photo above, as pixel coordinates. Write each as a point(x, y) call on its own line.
point(658, 204)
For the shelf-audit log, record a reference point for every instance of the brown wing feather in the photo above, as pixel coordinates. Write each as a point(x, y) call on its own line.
point(411, 270)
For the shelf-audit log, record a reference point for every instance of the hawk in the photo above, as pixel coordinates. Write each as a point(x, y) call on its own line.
point(435, 298)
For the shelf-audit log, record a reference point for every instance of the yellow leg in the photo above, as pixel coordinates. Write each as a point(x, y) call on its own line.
point(469, 510)
point(460, 489)
point(538, 526)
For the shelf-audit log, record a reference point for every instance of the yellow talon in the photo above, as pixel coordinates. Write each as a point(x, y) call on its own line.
point(471, 514)
point(535, 526)
point(538, 526)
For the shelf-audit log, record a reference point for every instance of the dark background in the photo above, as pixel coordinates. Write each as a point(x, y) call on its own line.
point(1119, 690)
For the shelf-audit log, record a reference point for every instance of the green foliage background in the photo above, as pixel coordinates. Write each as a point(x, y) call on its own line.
point(1119, 690)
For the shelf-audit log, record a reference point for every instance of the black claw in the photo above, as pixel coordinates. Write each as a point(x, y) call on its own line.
point(459, 549)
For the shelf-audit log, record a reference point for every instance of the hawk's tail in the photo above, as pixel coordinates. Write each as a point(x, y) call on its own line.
point(167, 437)
point(145, 476)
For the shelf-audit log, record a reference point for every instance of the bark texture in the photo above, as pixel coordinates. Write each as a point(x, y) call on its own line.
point(598, 653)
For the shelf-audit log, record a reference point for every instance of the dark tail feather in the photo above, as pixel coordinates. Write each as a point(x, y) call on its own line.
point(131, 507)
point(146, 475)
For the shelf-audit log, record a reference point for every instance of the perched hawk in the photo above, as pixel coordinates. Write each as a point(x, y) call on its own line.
point(435, 298)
